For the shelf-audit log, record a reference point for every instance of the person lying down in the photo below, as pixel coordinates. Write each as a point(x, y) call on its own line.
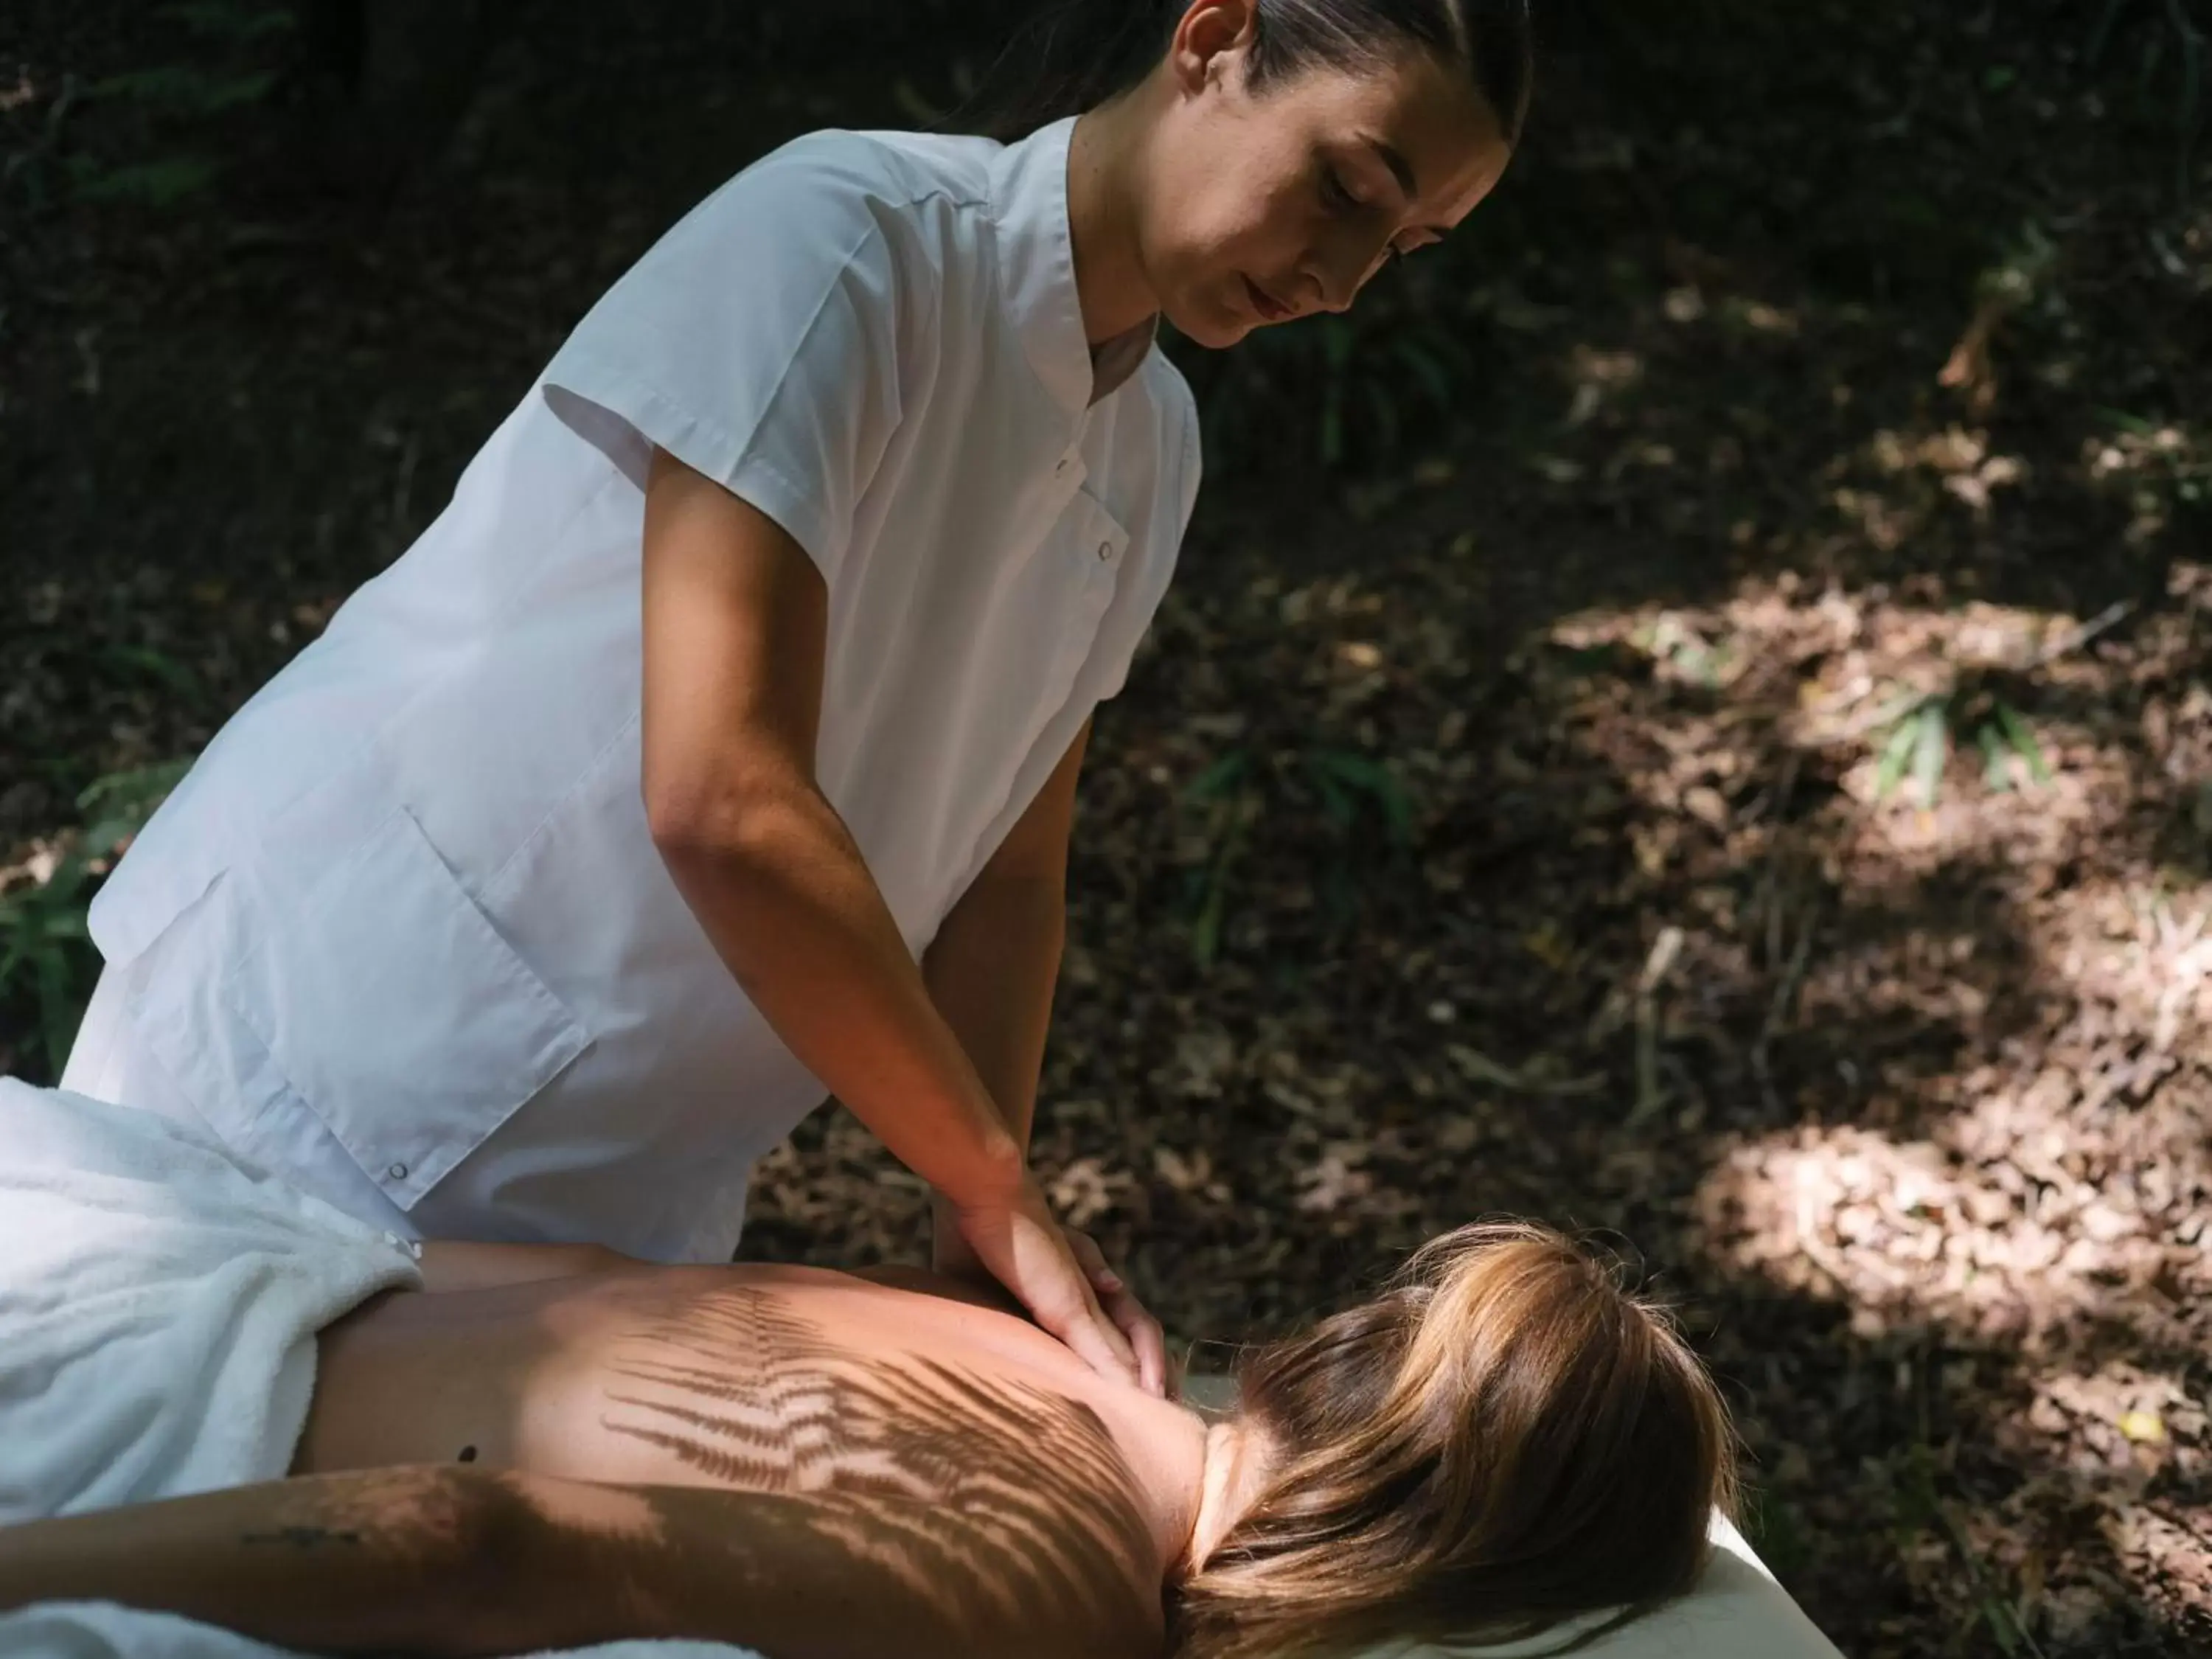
point(498, 1449)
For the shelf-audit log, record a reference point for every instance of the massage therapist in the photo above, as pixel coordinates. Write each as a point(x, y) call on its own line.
point(716, 747)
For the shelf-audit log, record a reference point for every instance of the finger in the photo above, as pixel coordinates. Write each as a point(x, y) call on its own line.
point(1145, 1337)
point(1050, 1281)
point(1097, 1342)
point(1098, 1330)
point(1092, 1259)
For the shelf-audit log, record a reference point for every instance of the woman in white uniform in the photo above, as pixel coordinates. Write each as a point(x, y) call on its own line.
point(716, 748)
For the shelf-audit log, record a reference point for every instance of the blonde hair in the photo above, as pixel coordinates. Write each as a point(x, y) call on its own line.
point(1504, 1439)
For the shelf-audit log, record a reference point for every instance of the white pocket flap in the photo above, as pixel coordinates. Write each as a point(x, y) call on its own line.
point(398, 1013)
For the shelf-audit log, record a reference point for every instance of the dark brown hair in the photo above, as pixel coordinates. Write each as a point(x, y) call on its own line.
point(1506, 1438)
point(1072, 56)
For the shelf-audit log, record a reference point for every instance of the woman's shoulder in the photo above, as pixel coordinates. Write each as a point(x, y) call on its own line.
point(892, 169)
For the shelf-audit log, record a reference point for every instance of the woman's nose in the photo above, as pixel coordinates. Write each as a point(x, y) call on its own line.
point(1338, 273)
point(1334, 288)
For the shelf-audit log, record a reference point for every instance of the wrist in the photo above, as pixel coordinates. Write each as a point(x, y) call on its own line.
point(991, 1177)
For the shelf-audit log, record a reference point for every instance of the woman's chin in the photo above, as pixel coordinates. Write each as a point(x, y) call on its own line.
point(1214, 326)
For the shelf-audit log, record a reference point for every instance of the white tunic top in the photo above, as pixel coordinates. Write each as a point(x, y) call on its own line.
point(403, 933)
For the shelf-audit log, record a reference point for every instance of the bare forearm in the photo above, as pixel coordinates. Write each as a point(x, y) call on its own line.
point(991, 971)
point(826, 1576)
point(790, 904)
point(464, 1563)
point(338, 1564)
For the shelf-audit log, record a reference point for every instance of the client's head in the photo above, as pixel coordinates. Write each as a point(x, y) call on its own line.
point(1504, 1438)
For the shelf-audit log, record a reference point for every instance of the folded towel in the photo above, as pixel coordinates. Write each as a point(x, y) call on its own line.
point(159, 1304)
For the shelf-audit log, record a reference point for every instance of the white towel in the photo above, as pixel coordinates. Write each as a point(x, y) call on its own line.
point(158, 1306)
point(99, 1630)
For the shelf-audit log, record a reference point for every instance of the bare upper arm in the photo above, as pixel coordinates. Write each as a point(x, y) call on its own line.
point(1036, 848)
point(736, 619)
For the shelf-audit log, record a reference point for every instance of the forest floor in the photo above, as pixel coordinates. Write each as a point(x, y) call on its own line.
point(1498, 824)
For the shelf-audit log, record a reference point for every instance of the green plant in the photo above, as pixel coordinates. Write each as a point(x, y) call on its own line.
point(46, 956)
point(1343, 392)
point(1923, 727)
point(1237, 792)
point(168, 107)
point(1921, 1508)
point(1777, 1529)
point(2163, 454)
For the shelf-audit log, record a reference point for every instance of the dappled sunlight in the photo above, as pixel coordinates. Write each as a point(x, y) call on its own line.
point(1688, 715)
point(2011, 1249)
point(2008, 1260)
point(2149, 465)
point(1968, 996)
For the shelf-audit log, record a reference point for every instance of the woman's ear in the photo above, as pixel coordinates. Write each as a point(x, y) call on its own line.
point(1213, 38)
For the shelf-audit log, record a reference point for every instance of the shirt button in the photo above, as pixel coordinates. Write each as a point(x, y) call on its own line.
point(397, 1172)
point(1105, 550)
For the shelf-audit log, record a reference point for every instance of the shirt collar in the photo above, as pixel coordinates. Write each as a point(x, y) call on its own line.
point(1112, 361)
point(1036, 264)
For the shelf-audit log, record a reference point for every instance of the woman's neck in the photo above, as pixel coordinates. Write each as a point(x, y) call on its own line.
point(1101, 220)
point(1235, 1466)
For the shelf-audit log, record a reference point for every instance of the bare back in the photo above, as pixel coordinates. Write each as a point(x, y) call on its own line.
point(768, 1379)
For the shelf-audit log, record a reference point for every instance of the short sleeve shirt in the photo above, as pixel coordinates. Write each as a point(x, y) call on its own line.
point(403, 933)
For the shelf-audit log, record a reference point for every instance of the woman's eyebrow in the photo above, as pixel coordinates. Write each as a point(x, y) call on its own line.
point(1402, 171)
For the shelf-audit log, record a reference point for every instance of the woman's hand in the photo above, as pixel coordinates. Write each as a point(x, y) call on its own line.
point(953, 1257)
point(1118, 1303)
point(1019, 1244)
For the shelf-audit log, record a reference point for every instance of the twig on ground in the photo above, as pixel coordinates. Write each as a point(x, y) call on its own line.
point(1649, 1097)
point(2075, 638)
point(1527, 1080)
point(1777, 797)
point(1778, 1009)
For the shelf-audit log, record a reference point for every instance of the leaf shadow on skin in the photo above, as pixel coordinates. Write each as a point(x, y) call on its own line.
point(993, 1506)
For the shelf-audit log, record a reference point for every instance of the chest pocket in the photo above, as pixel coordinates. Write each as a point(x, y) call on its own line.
point(1096, 535)
point(397, 1013)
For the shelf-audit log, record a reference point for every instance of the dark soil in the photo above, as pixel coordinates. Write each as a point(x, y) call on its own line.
point(1810, 355)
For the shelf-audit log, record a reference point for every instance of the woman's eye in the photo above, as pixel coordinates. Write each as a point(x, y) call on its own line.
point(1335, 191)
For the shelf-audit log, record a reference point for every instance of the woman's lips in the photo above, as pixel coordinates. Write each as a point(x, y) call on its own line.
point(1269, 306)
